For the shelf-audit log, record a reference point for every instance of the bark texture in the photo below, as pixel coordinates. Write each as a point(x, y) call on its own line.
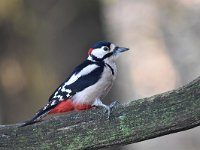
point(136, 121)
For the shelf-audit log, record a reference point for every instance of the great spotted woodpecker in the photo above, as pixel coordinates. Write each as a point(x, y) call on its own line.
point(87, 85)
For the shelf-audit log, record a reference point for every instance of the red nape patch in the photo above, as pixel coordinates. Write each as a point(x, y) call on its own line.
point(90, 51)
point(82, 106)
point(64, 106)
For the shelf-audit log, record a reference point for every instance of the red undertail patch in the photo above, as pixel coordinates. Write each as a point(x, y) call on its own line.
point(68, 105)
point(64, 106)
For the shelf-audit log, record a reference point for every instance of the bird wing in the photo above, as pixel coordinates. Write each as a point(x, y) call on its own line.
point(85, 75)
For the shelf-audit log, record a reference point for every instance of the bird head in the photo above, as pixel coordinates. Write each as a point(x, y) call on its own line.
point(105, 51)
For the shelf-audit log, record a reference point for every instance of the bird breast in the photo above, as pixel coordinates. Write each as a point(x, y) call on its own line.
point(99, 89)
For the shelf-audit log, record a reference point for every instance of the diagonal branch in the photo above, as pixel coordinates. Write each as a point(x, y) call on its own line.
point(136, 121)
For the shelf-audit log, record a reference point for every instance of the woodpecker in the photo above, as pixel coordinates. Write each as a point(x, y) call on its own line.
point(87, 85)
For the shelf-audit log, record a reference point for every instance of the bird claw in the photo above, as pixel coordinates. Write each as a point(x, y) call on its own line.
point(114, 104)
point(108, 108)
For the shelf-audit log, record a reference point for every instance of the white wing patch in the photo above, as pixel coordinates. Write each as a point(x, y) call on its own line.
point(53, 102)
point(64, 92)
point(71, 80)
point(83, 72)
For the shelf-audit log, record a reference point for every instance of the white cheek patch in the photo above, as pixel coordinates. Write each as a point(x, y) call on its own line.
point(83, 72)
point(99, 53)
point(112, 47)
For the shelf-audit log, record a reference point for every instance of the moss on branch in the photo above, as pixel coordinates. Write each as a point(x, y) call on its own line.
point(136, 121)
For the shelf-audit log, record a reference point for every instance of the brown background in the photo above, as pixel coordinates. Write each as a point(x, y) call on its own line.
point(42, 41)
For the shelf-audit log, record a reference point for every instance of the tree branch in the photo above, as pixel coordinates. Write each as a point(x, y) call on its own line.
point(136, 121)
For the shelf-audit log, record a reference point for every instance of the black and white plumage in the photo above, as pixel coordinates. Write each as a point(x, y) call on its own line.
point(88, 83)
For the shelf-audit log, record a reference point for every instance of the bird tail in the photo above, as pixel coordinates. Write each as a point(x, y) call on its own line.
point(38, 116)
point(41, 113)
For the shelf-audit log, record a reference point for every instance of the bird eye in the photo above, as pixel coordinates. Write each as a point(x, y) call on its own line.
point(105, 48)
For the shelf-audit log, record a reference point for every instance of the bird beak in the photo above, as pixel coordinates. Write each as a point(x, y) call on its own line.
point(120, 50)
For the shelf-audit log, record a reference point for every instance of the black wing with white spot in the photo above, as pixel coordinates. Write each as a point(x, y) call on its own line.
point(80, 79)
point(85, 75)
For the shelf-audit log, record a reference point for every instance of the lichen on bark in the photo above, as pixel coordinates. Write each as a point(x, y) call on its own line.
point(136, 121)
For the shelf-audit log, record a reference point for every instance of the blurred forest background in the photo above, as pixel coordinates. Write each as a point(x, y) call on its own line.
point(42, 41)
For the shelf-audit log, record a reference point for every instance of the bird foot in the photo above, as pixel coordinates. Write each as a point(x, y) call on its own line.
point(107, 108)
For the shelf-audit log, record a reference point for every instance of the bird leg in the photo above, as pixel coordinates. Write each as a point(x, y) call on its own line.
point(107, 108)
